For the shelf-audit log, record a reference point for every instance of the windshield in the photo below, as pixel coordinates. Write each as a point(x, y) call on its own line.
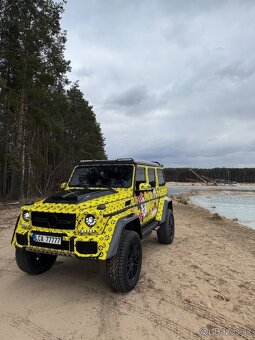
point(114, 176)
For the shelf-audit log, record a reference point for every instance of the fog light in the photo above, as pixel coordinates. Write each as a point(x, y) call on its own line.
point(90, 220)
point(26, 215)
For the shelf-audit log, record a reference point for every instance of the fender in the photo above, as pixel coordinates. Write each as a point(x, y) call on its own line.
point(120, 227)
point(17, 222)
point(168, 204)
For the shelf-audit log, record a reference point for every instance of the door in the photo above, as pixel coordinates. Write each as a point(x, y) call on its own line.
point(142, 196)
point(153, 195)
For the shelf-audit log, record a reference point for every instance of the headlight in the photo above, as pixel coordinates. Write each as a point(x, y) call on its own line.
point(26, 215)
point(90, 220)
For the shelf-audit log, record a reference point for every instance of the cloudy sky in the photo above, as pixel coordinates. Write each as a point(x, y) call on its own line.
point(172, 80)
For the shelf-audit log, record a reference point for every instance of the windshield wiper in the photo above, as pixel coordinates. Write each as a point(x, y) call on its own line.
point(80, 185)
point(96, 187)
point(106, 187)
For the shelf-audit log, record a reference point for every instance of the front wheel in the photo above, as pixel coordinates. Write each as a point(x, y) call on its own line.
point(34, 263)
point(166, 231)
point(123, 269)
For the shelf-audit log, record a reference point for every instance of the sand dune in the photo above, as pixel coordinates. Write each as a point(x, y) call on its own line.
point(204, 279)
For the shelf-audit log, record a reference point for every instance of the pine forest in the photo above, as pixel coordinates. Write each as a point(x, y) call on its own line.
point(46, 124)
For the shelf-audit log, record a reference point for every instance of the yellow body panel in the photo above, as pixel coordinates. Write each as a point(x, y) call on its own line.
point(116, 206)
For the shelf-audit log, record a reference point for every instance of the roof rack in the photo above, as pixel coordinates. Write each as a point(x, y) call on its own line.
point(119, 161)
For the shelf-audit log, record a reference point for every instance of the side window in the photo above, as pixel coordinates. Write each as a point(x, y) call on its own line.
point(139, 177)
point(161, 179)
point(152, 177)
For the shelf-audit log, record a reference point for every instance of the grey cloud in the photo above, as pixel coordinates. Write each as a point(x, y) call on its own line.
point(131, 97)
point(82, 72)
point(236, 71)
point(169, 80)
point(197, 155)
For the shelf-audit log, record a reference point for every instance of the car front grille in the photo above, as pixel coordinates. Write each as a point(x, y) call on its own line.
point(53, 220)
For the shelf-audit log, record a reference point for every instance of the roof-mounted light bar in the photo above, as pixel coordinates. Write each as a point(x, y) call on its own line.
point(125, 159)
point(90, 160)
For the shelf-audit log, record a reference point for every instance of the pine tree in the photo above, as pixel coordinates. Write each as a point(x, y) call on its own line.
point(85, 137)
point(38, 121)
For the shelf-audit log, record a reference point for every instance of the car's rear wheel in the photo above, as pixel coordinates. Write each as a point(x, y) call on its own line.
point(123, 269)
point(34, 263)
point(166, 231)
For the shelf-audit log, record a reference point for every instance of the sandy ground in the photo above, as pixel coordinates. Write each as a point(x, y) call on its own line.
point(204, 279)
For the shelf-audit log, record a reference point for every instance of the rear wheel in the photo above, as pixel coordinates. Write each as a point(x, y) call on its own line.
point(123, 269)
point(34, 263)
point(166, 231)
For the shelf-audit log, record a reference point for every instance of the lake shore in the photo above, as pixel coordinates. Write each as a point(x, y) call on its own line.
point(205, 279)
point(183, 187)
point(235, 202)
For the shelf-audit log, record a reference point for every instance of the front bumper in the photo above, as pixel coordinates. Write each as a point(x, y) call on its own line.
point(80, 246)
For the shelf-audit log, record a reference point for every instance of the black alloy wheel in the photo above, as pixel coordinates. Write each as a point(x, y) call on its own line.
point(123, 269)
point(133, 261)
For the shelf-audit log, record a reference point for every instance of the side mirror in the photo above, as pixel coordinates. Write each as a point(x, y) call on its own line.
point(63, 185)
point(144, 187)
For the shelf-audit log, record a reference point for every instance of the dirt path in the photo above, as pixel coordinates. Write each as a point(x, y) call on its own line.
point(204, 279)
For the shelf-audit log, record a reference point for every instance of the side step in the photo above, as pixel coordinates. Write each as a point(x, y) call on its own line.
point(146, 231)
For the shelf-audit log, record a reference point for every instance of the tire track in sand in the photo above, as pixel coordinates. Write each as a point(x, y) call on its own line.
point(27, 327)
point(124, 305)
point(203, 312)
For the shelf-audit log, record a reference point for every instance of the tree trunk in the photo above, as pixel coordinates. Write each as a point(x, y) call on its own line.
point(21, 139)
point(6, 152)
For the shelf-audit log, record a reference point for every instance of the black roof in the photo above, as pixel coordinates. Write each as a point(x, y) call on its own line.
point(120, 161)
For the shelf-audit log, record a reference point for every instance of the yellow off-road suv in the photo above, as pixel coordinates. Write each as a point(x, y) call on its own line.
point(103, 212)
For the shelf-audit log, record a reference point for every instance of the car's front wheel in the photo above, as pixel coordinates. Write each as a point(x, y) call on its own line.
point(34, 263)
point(123, 269)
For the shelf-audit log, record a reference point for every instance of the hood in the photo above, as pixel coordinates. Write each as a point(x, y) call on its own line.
point(76, 196)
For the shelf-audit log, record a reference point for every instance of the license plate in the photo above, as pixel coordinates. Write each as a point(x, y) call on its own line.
point(46, 239)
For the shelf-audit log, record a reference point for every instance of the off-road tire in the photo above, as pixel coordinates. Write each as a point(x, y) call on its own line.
point(166, 231)
point(34, 263)
point(120, 274)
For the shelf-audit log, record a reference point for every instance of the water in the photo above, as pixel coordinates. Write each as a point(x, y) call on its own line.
point(240, 206)
point(183, 188)
point(232, 201)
